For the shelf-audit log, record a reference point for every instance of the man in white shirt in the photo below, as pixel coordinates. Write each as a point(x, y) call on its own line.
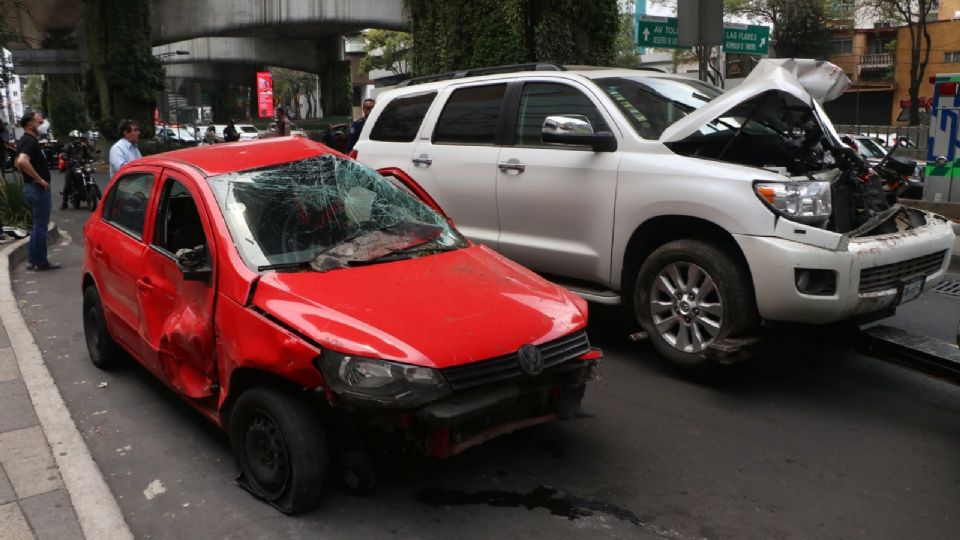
point(125, 149)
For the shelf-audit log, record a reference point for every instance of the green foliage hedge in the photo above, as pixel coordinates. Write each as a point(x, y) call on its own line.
point(449, 36)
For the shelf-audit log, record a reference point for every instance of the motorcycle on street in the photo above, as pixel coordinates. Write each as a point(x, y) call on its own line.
point(81, 187)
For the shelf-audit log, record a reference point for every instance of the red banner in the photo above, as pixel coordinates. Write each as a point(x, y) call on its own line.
point(264, 94)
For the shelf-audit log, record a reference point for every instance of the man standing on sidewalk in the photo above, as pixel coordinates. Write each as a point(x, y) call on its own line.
point(36, 186)
point(125, 149)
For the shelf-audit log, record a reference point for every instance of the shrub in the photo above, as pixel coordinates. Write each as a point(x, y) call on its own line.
point(14, 208)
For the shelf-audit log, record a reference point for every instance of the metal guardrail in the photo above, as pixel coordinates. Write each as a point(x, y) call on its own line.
point(887, 135)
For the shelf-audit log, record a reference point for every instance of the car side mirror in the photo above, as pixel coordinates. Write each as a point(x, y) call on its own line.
point(192, 262)
point(575, 129)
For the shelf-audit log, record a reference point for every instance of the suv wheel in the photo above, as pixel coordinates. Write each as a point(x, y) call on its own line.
point(280, 447)
point(689, 294)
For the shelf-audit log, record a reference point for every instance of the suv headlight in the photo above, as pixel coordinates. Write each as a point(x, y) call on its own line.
point(804, 202)
point(388, 384)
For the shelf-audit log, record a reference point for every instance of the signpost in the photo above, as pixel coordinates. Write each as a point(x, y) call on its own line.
point(661, 33)
point(264, 94)
point(746, 39)
point(658, 32)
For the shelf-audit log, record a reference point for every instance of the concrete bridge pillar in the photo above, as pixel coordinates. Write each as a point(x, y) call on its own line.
point(336, 88)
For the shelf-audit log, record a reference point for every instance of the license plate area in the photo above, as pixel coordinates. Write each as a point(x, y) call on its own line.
point(910, 289)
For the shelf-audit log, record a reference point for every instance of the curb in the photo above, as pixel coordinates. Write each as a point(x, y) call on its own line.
point(94, 503)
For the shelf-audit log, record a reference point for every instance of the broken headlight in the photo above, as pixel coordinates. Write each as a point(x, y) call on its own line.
point(388, 384)
point(804, 202)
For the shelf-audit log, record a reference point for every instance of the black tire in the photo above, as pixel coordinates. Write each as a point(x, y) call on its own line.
point(286, 433)
point(104, 351)
point(731, 288)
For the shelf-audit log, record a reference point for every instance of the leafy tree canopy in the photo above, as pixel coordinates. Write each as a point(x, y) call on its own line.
point(388, 50)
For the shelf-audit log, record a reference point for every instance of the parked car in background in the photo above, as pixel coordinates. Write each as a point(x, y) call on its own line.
point(874, 153)
point(706, 212)
point(175, 134)
point(248, 132)
point(297, 298)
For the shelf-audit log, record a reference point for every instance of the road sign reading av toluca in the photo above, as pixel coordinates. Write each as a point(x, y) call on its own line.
point(658, 32)
point(661, 33)
point(746, 39)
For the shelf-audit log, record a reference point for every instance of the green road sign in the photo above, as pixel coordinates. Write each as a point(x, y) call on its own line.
point(659, 32)
point(746, 39)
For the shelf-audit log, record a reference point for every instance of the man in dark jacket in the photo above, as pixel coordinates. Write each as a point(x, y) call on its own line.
point(357, 126)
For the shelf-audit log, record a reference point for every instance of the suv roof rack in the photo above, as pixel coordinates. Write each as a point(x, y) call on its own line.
point(475, 72)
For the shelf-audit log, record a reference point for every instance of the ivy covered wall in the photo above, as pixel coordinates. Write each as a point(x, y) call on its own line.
point(125, 74)
point(449, 36)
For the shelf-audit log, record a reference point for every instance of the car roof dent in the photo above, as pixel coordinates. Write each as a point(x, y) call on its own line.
point(807, 80)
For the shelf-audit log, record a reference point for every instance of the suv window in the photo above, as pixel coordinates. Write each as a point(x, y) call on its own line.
point(178, 221)
point(539, 100)
point(470, 116)
point(401, 118)
point(651, 104)
point(126, 204)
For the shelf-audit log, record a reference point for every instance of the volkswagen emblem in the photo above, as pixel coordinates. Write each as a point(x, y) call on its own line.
point(530, 360)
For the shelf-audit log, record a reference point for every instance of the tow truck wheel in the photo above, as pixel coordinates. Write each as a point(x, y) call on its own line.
point(689, 294)
point(281, 449)
point(104, 352)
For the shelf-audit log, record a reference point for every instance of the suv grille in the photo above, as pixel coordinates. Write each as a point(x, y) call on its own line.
point(889, 276)
point(505, 367)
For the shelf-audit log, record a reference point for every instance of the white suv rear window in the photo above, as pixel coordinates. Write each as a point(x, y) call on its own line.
point(401, 118)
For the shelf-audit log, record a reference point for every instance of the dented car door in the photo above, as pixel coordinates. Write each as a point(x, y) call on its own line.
point(176, 323)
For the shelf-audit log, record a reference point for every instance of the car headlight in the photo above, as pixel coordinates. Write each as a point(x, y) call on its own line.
point(804, 202)
point(388, 384)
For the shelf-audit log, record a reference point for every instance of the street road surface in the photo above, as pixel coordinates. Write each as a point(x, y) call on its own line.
point(815, 443)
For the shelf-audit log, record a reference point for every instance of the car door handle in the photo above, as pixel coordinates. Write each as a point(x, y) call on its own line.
point(423, 160)
point(145, 285)
point(512, 165)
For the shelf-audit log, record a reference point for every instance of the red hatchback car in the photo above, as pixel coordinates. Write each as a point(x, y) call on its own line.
point(311, 307)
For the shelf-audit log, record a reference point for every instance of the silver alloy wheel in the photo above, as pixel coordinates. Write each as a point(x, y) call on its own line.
point(686, 307)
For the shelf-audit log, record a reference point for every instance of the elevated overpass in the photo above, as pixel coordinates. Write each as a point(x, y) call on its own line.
point(231, 38)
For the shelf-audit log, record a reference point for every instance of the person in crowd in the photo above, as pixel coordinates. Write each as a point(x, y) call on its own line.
point(283, 123)
point(210, 136)
point(79, 151)
point(357, 126)
point(36, 186)
point(125, 149)
point(231, 133)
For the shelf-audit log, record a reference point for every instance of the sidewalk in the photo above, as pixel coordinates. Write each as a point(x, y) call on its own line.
point(44, 493)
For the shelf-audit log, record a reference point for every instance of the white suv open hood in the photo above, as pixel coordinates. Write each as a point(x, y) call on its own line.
point(811, 81)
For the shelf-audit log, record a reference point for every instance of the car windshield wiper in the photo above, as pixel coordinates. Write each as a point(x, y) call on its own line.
point(297, 265)
point(406, 253)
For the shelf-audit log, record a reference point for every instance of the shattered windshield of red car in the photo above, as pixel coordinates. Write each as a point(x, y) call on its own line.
point(325, 213)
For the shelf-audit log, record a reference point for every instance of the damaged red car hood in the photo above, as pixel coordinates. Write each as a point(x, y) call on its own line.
point(438, 311)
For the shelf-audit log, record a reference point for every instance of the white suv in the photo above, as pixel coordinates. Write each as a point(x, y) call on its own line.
point(709, 213)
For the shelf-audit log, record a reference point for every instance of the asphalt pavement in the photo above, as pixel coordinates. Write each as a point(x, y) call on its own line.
point(816, 442)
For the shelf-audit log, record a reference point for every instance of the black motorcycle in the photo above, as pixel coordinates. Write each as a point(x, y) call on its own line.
point(81, 185)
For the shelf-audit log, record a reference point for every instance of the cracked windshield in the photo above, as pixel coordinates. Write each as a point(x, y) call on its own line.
point(325, 213)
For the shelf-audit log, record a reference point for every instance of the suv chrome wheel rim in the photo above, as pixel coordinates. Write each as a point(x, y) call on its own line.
point(686, 307)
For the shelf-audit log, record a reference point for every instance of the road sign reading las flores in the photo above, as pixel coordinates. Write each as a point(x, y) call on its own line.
point(661, 32)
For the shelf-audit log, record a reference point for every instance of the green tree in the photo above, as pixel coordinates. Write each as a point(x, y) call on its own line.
point(912, 14)
point(126, 76)
point(626, 40)
point(800, 27)
point(459, 35)
point(387, 50)
point(291, 87)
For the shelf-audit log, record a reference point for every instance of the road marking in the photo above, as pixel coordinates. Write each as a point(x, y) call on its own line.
point(96, 507)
